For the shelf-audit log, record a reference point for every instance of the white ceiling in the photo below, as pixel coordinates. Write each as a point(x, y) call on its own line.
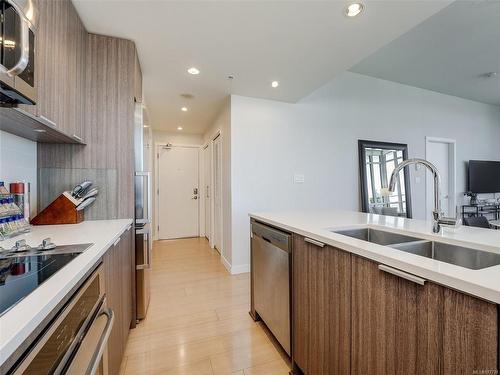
point(448, 53)
point(302, 44)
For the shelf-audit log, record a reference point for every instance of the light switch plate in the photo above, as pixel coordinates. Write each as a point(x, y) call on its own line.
point(298, 178)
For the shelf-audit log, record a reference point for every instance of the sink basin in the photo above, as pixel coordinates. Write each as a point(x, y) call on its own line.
point(453, 254)
point(376, 236)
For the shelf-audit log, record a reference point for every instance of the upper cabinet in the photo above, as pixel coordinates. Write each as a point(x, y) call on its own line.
point(60, 46)
point(60, 71)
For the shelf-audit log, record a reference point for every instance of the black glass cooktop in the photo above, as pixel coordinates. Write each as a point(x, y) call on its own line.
point(22, 273)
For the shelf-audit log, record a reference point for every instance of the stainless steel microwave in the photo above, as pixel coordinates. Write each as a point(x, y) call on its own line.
point(17, 52)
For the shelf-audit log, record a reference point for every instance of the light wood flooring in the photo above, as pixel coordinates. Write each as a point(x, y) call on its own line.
point(198, 320)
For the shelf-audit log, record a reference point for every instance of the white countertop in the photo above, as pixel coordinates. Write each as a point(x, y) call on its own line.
point(318, 225)
point(18, 322)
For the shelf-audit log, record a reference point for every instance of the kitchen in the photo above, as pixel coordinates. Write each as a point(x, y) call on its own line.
point(135, 161)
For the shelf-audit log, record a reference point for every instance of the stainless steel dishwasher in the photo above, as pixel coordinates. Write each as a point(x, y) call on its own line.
point(270, 252)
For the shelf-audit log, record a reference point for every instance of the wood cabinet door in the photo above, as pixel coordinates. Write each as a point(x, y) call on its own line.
point(384, 321)
point(321, 308)
point(112, 272)
point(60, 65)
point(126, 277)
point(400, 327)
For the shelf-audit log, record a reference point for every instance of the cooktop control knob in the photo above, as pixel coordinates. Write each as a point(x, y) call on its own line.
point(47, 244)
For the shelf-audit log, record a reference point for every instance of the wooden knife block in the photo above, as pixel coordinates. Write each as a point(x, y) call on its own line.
point(61, 211)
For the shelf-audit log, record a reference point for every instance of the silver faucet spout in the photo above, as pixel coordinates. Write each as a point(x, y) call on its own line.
point(436, 213)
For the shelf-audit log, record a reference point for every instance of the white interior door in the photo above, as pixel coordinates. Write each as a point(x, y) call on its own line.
point(441, 153)
point(178, 192)
point(207, 173)
point(217, 192)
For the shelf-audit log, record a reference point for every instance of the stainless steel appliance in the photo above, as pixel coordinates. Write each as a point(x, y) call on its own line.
point(17, 52)
point(143, 210)
point(24, 268)
point(270, 252)
point(75, 341)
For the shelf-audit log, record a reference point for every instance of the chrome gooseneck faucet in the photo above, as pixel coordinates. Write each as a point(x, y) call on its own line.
point(437, 215)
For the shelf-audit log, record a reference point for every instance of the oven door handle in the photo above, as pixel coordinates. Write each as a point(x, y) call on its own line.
point(81, 364)
point(22, 63)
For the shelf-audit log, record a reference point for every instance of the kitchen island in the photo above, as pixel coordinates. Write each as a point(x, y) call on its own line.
point(361, 307)
point(18, 324)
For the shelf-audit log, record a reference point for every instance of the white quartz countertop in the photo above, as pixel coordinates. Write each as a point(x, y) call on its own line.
point(319, 225)
point(20, 321)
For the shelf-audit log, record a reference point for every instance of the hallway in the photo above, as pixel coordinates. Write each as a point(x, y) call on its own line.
point(198, 320)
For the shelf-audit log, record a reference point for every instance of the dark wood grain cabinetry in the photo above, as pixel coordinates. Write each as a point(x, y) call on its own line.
point(119, 280)
point(350, 317)
point(321, 300)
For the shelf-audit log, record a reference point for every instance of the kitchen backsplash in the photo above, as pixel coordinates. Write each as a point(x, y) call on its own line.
point(18, 162)
point(53, 181)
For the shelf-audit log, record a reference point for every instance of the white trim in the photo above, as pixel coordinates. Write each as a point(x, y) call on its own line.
point(453, 182)
point(156, 192)
point(226, 264)
point(216, 134)
point(242, 268)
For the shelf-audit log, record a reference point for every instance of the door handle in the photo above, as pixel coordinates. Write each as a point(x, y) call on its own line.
point(403, 275)
point(314, 242)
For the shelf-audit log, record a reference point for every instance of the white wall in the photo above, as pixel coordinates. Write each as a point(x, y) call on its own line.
point(222, 124)
point(163, 137)
point(18, 162)
point(317, 137)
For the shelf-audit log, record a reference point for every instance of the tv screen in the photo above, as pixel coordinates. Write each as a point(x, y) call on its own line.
point(484, 176)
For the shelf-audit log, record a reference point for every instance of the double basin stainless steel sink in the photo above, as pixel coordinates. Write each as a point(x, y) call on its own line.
point(453, 254)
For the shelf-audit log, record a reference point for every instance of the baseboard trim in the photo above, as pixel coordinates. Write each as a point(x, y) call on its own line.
point(226, 264)
point(234, 270)
point(242, 268)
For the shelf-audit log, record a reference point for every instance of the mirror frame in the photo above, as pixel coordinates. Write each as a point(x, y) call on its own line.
point(362, 145)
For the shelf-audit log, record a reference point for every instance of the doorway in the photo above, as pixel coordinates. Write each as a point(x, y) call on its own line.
point(207, 160)
point(442, 153)
point(178, 196)
point(217, 191)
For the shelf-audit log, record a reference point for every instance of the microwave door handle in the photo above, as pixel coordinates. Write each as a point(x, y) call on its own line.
point(22, 63)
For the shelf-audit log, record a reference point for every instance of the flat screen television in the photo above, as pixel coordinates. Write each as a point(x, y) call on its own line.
point(484, 176)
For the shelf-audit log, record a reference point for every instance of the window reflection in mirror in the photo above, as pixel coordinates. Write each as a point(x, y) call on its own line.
point(377, 162)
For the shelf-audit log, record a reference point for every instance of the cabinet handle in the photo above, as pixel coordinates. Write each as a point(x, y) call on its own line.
point(314, 242)
point(116, 242)
point(403, 275)
point(49, 121)
point(77, 137)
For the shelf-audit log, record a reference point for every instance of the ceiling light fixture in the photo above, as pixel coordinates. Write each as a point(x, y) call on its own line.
point(274, 84)
point(490, 74)
point(354, 9)
point(146, 126)
point(194, 71)
point(184, 109)
point(179, 128)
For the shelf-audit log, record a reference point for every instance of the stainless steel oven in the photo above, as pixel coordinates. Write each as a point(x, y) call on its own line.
point(76, 340)
point(17, 52)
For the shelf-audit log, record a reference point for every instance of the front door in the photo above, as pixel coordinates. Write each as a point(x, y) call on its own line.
point(178, 192)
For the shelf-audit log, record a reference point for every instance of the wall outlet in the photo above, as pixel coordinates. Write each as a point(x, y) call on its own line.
point(298, 178)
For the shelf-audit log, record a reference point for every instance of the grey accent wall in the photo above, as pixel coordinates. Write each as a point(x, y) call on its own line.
point(106, 180)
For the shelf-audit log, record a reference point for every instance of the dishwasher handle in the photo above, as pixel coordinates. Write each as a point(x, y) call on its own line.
point(273, 236)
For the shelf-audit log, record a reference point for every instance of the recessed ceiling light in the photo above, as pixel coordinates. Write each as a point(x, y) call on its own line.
point(184, 109)
point(491, 74)
point(40, 130)
point(193, 71)
point(354, 9)
point(275, 84)
point(146, 126)
point(179, 128)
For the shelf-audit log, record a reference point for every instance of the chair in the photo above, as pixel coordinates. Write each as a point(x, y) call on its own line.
point(480, 222)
